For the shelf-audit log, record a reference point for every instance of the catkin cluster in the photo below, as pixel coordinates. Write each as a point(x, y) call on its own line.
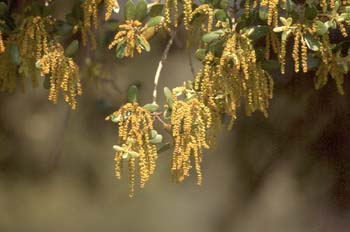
point(110, 5)
point(190, 121)
point(134, 126)
point(171, 14)
point(272, 15)
point(329, 66)
point(299, 53)
point(206, 10)
point(90, 18)
point(233, 77)
point(300, 49)
point(271, 41)
point(64, 75)
point(33, 44)
point(130, 37)
point(8, 72)
point(2, 44)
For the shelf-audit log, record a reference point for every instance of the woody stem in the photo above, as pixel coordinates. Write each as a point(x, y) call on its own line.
point(160, 65)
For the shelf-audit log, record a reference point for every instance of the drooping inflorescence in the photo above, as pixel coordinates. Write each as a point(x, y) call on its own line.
point(63, 73)
point(90, 18)
point(8, 70)
point(190, 121)
point(32, 40)
point(135, 126)
point(234, 76)
point(2, 45)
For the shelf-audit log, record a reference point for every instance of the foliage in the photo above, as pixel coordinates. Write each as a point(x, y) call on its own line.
point(242, 44)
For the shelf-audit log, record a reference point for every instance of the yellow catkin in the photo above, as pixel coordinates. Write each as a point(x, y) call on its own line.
point(187, 12)
point(90, 19)
point(295, 53)
point(190, 121)
point(33, 44)
point(8, 71)
point(206, 10)
point(64, 75)
point(329, 66)
point(272, 15)
point(342, 28)
point(134, 126)
point(304, 55)
point(282, 55)
point(2, 46)
point(224, 82)
point(110, 5)
point(130, 37)
point(171, 14)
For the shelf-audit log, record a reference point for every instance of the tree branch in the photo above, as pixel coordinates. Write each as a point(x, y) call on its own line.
point(160, 65)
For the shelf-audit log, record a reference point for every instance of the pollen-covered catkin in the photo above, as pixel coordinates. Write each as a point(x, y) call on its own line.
point(134, 127)
point(2, 44)
point(190, 121)
point(110, 5)
point(64, 75)
point(206, 10)
point(8, 71)
point(295, 53)
point(130, 38)
point(187, 11)
point(304, 55)
point(33, 44)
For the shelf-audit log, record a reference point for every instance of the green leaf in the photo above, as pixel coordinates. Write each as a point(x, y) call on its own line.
point(133, 94)
point(156, 10)
point(72, 48)
point(311, 42)
point(153, 134)
point(321, 28)
point(310, 12)
point(133, 154)
point(115, 119)
point(157, 139)
point(167, 114)
point(224, 4)
point(312, 62)
point(141, 10)
point(263, 13)
point(144, 43)
point(120, 50)
point(258, 32)
point(154, 21)
point(153, 107)
point(169, 97)
point(14, 54)
point(200, 54)
point(38, 64)
point(129, 10)
point(118, 148)
point(220, 15)
point(330, 24)
point(211, 36)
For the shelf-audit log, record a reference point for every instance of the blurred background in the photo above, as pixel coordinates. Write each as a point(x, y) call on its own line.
point(289, 172)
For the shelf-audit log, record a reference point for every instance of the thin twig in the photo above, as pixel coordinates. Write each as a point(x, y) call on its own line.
point(190, 61)
point(160, 65)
